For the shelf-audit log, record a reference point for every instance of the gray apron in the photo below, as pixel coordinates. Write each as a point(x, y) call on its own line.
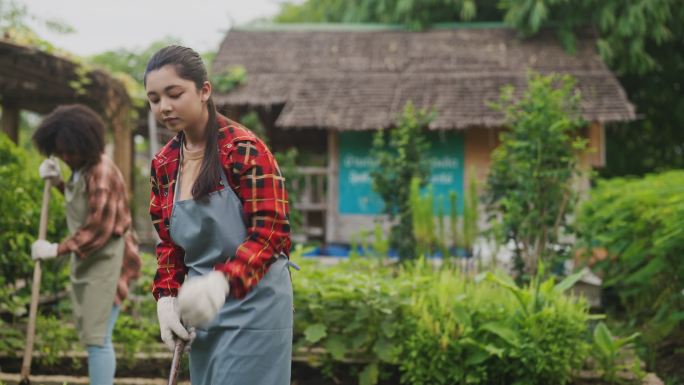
point(250, 341)
point(93, 279)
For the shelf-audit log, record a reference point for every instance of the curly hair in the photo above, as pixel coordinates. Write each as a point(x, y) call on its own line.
point(73, 129)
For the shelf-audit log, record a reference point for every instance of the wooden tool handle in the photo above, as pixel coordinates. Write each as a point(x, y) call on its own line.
point(175, 361)
point(35, 287)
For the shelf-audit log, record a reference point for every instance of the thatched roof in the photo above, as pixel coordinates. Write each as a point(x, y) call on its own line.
point(358, 78)
point(38, 81)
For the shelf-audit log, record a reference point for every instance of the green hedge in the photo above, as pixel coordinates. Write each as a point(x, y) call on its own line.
point(640, 223)
point(21, 192)
point(439, 326)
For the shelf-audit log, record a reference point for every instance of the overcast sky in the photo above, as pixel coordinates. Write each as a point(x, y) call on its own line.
point(104, 25)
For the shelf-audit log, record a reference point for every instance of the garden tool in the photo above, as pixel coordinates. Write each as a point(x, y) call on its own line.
point(175, 361)
point(35, 291)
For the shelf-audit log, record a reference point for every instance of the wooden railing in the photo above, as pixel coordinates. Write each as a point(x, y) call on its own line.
point(310, 192)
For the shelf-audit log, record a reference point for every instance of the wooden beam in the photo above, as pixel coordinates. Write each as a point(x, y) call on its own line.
point(10, 121)
point(123, 146)
point(152, 134)
point(232, 112)
point(479, 143)
point(596, 155)
point(331, 215)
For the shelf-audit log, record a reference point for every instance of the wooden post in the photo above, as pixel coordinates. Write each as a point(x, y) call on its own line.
point(232, 112)
point(10, 122)
point(596, 155)
point(152, 132)
point(331, 214)
point(123, 146)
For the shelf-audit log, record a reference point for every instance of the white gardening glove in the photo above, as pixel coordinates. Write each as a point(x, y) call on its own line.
point(170, 324)
point(42, 249)
point(49, 170)
point(201, 298)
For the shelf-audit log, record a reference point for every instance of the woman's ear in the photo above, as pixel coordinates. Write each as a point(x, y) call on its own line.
point(205, 91)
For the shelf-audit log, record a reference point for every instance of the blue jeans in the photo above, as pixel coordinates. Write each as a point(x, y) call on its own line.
point(101, 359)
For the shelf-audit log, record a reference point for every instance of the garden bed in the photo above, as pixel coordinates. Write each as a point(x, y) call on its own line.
point(152, 369)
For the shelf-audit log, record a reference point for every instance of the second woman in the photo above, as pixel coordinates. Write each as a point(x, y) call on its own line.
point(221, 211)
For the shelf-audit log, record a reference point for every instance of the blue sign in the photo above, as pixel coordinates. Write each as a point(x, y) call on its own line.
point(356, 195)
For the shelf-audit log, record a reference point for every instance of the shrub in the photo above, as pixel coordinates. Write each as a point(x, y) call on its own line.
point(492, 332)
point(352, 310)
point(530, 183)
point(439, 326)
point(400, 154)
point(21, 192)
point(640, 223)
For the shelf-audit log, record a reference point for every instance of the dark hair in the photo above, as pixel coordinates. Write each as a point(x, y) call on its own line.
point(74, 129)
point(189, 66)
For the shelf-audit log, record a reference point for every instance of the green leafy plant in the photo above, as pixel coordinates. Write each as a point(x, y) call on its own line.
point(453, 217)
point(136, 329)
point(471, 215)
point(490, 331)
point(530, 188)
point(423, 219)
point(380, 242)
point(229, 78)
point(430, 231)
point(135, 334)
point(354, 311)
point(610, 355)
point(22, 192)
point(639, 222)
point(82, 78)
point(415, 14)
point(438, 327)
point(401, 157)
point(128, 66)
point(54, 338)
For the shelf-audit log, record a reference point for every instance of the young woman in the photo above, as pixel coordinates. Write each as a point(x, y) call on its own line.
point(220, 208)
point(104, 253)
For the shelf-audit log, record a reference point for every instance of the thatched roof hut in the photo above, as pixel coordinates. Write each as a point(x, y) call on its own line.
point(319, 88)
point(360, 78)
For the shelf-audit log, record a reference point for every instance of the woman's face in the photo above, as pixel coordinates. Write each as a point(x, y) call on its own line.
point(73, 160)
point(175, 101)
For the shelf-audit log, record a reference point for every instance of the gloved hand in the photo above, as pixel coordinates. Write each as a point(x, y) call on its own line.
point(49, 170)
point(42, 249)
point(170, 324)
point(201, 298)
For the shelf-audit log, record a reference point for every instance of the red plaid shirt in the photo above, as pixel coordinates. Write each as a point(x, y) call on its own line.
point(108, 216)
point(245, 160)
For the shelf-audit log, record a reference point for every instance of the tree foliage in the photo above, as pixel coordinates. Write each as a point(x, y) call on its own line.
point(21, 195)
point(401, 155)
point(640, 225)
point(438, 326)
point(15, 25)
point(642, 40)
point(131, 61)
point(128, 65)
point(530, 184)
point(415, 14)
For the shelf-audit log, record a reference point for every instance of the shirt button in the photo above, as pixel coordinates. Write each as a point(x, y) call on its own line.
point(230, 145)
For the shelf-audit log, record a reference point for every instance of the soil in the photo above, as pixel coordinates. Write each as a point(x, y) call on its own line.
point(154, 369)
